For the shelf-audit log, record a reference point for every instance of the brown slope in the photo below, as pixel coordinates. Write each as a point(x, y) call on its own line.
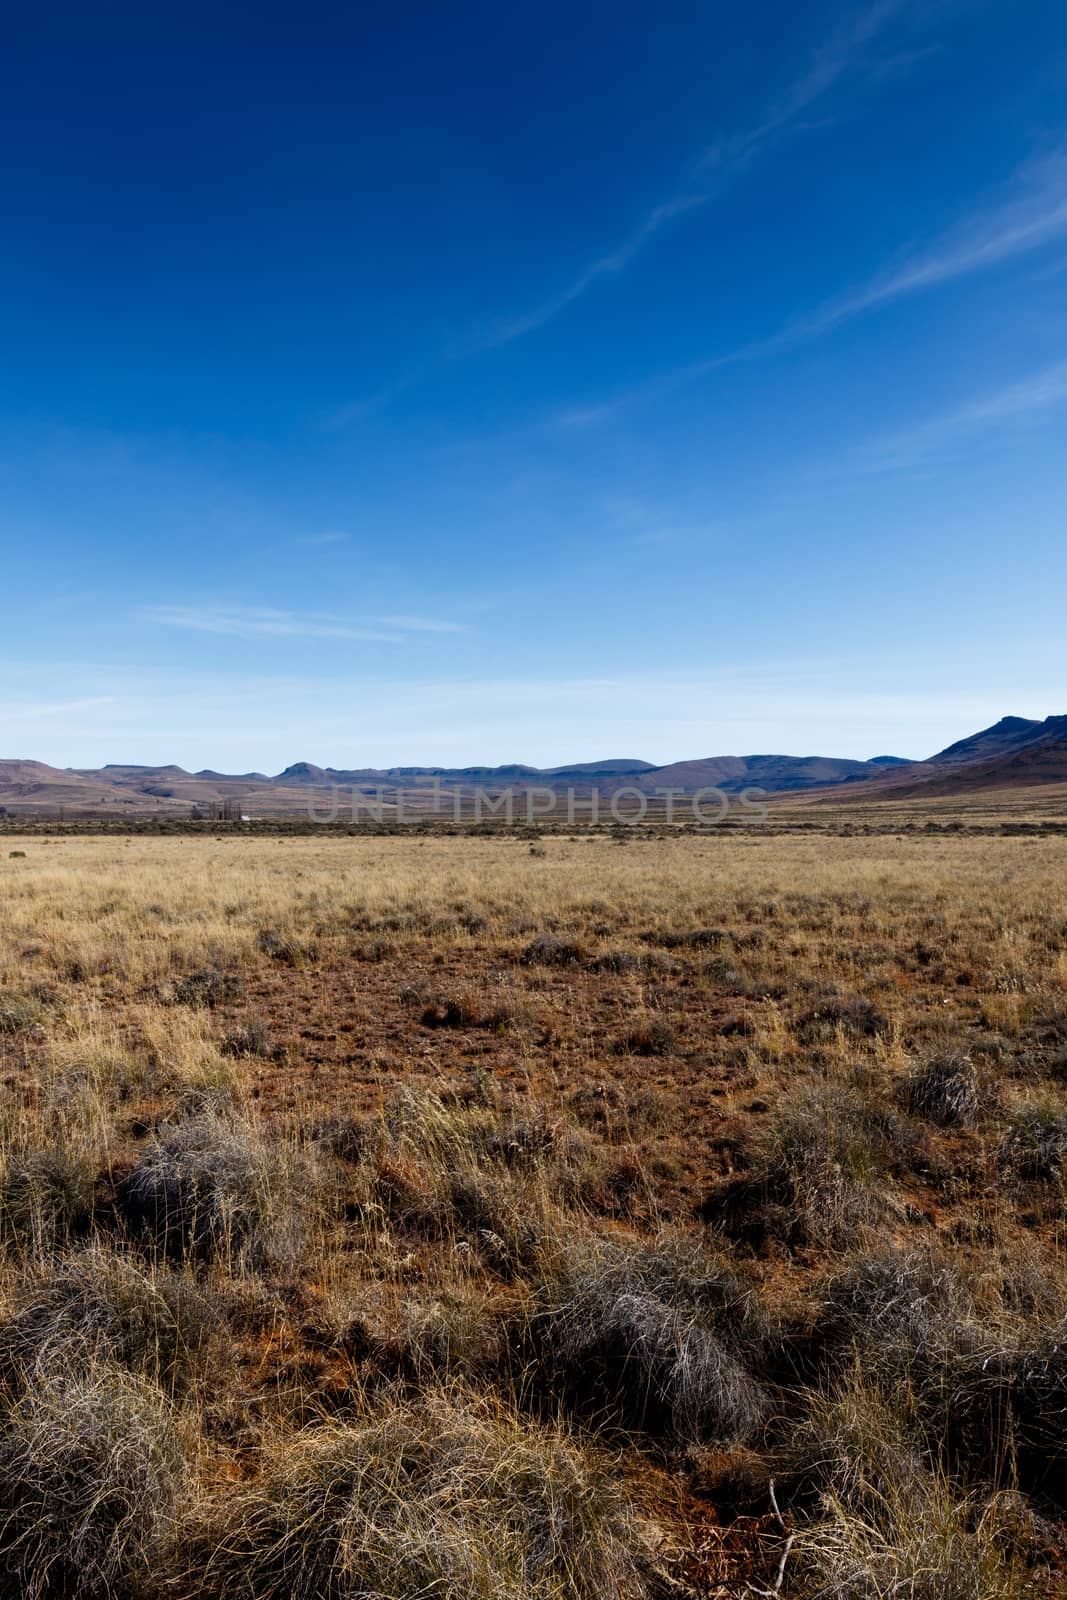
point(1002, 739)
point(1041, 763)
point(775, 773)
point(1044, 762)
point(34, 783)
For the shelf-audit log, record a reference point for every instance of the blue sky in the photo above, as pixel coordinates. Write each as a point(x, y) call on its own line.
point(532, 382)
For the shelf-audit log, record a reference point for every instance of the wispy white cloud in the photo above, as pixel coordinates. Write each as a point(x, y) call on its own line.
point(409, 624)
point(260, 622)
point(1029, 215)
point(721, 161)
point(372, 404)
point(31, 711)
point(836, 56)
point(265, 622)
point(1028, 398)
point(237, 721)
point(605, 266)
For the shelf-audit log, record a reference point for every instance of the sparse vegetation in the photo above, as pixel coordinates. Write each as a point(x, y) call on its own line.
point(436, 1217)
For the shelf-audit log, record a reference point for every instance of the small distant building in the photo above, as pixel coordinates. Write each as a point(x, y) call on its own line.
point(218, 811)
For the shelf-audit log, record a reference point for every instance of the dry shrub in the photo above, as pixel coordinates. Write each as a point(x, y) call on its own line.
point(652, 1036)
point(852, 1016)
point(457, 1334)
point(658, 1336)
point(219, 1186)
point(451, 1497)
point(688, 939)
point(98, 1304)
point(287, 949)
point(90, 1474)
point(46, 1197)
point(552, 950)
point(1034, 1148)
point(984, 1387)
point(822, 1171)
point(907, 1300)
point(466, 1010)
point(946, 1090)
point(890, 1522)
point(494, 1181)
point(252, 1037)
point(621, 1113)
point(1033, 1378)
point(208, 987)
point(24, 1011)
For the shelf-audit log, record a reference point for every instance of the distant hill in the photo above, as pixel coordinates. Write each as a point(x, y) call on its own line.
point(1014, 752)
point(31, 786)
point(1043, 762)
point(776, 774)
point(1002, 739)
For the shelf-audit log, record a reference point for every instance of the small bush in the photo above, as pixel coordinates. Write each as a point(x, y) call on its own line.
point(855, 1018)
point(465, 1010)
point(548, 950)
point(1033, 1377)
point(19, 1013)
point(909, 1301)
point(1034, 1149)
point(90, 1474)
point(251, 1038)
point(494, 1182)
point(822, 1172)
point(892, 1521)
point(946, 1091)
point(217, 1187)
point(97, 1304)
point(985, 1392)
point(209, 987)
point(620, 961)
point(451, 1498)
point(650, 1037)
point(289, 951)
point(690, 939)
point(46, 1198)
point(659, 1336)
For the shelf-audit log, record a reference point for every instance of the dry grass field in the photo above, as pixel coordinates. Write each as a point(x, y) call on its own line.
point(477, 1219)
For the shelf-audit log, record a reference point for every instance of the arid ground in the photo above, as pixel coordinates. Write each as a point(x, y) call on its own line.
point(605, 1216)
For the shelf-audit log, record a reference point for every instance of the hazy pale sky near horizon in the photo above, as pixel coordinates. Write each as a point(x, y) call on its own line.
point(483, 383)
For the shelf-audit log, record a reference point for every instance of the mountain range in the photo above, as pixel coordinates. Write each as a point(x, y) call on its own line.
point(1015, 752)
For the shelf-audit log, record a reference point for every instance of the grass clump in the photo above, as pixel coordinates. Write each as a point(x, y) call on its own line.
point(493, 1181)
point(46, 1197)
point(451, 1498)
point(822, 1172)
point(91, 1471)
point(652, 1036)
point(99, 1304)
point(553, 950)
point(252, 1037)
point(890, 1522)
point(21, 1012)
point(657, 1336)
point(208, 987)
point(946, 1090)
point(852, 1016)
point(217, 1186)
point(1034, 1148)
